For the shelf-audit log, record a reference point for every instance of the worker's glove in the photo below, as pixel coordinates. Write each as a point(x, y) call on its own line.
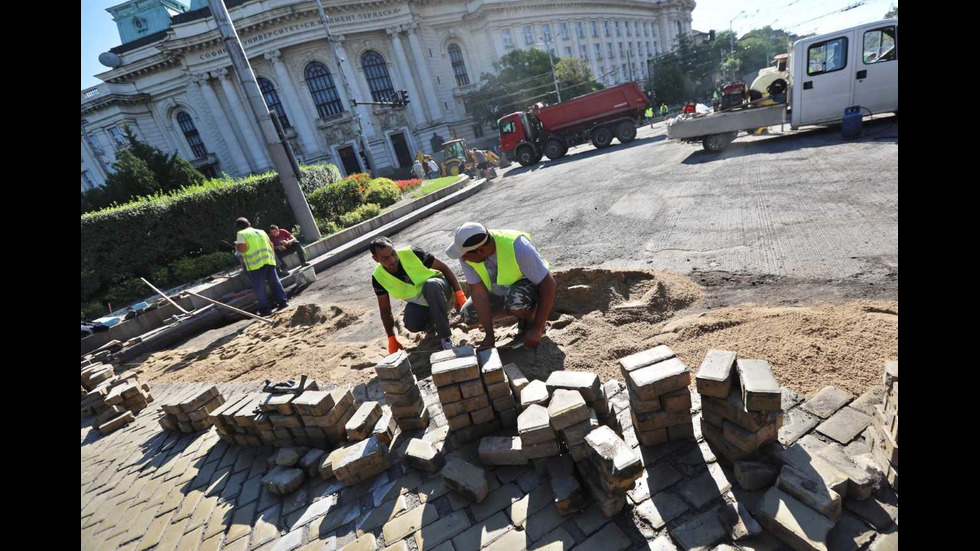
point(460, 299)
point(394, 345)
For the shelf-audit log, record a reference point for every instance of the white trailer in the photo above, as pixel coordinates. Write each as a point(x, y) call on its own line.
point(855, 66)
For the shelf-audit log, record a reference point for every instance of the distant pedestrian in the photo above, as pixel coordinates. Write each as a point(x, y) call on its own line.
point(689, 108)
point(417, 170)
point(433, 169)
point(285, 244)
point(663, 110)
point(260, 264)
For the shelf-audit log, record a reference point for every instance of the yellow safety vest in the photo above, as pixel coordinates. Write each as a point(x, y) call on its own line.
point(416, 271)
point(259, 252)
point(508, 271)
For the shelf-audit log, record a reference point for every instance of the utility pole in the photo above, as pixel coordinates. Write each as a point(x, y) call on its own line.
point(552, 63)
point(256, 103)
point(365, 150)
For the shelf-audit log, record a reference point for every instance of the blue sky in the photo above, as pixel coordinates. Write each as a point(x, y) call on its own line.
point(99, 32)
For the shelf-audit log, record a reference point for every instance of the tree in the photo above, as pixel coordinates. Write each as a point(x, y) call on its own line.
point(140, 169)
point(756, 49)
point(523, 78)
point(893, 12)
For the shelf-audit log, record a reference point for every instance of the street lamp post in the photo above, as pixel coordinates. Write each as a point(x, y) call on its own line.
point(731, 32)
point(552, 64)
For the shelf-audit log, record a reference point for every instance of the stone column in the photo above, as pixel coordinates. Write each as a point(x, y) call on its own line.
point(350, 75)
point(405, 72)
point(227, 134)
point(292, 105)
point(422, 69)
point(256, 151)
point(665, 45)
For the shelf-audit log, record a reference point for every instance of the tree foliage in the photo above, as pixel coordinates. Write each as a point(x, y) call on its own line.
point(523, 77)
point(756, 49)
point(893, 12)
point(139, 170)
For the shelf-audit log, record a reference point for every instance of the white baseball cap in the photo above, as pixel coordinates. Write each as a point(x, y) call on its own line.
point(465, 233)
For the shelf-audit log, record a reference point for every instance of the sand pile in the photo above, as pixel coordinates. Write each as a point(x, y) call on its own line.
point(599, 316)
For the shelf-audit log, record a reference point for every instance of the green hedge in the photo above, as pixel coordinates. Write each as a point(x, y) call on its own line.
point(123, 242)
point(383, 192)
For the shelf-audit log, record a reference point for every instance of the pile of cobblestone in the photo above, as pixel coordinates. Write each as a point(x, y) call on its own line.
point(465, 402)
point(884, 445)
point(402, 391)
point(115, 401)
point(660, 402)
point(190, 411)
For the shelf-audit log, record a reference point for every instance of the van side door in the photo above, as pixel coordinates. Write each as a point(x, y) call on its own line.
point(825, 82)
point(876, 69)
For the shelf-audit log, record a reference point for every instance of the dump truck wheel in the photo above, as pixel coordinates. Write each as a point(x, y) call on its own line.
point(625, 132)
point(716, 143)
point(602, 138)
point(526, 156)
point(554, 149)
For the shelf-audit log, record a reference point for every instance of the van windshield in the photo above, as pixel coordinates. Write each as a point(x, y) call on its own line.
point(507, 127)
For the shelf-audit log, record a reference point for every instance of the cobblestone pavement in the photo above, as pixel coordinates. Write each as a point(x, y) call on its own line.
point(146, 488)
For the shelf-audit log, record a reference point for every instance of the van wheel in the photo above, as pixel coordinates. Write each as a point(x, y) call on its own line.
point(526, 155)
point(554, 149)
point(625, 132)
point(602, 138)
point(715, 143)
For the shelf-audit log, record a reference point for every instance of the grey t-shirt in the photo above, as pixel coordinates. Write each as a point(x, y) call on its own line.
point(530, 262)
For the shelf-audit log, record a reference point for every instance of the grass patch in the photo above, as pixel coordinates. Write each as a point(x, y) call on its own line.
point(434, 185)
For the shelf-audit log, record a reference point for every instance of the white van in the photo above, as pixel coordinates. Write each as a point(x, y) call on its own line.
point(828, 73)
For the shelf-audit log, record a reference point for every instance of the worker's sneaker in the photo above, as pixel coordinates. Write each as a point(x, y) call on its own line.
point(521, 330)
point(447, 344)
point(281, 306)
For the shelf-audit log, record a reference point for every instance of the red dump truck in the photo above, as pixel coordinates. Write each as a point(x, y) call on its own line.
point(551, 129)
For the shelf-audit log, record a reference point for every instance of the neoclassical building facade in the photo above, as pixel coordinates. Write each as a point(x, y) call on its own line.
point(171, 81)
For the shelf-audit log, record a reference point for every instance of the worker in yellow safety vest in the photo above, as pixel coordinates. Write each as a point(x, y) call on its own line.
point(259, 258)
point(507, 276)
point(416, 276)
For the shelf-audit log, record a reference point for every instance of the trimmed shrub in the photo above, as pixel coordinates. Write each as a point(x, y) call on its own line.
point(383, 192)
point(358, 215)
point(315, 177)
point(331, 201)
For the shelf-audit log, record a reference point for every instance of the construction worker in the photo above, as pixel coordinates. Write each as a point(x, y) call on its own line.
point(507, 276)
point(285, 244)
point(663, 110)
point(260, 264)
point(427, 284)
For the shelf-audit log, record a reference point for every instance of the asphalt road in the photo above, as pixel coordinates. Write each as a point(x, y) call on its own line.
point(785, 218)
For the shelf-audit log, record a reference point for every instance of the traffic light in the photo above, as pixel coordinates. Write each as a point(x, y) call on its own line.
point(404, 98)
point(711, 35)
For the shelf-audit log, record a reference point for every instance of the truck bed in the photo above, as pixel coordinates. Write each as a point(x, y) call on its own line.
point(730, 121)
point(619, 101)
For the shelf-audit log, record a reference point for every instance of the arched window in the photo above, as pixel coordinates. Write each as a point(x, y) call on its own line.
point(323, 90)
point(191, 135)
point(459, 66)
point(272, 101)
point(377, 76)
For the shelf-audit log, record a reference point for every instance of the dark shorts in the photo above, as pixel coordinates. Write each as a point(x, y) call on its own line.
point(522, 295)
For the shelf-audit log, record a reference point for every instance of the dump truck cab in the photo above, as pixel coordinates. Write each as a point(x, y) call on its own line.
point(514, 130)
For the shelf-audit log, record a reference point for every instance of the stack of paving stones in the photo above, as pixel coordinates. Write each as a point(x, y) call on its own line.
point(660, 402)
point(573, 420)
point(587, 384)
point(190, 411)
point(357, 462)
point(457, 376)
point(323, 416)
point(517, 382)
point(94, 374)
point(125, 393)
point(884, 437)
point(498, 386)
point(538, 438)
point(402, 392)
point(610, 469)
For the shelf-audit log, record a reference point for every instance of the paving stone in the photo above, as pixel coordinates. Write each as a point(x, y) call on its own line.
point(534, 501)
point(394, 366)
point(587, 384)
point(515, 540)
point(362, 422)
point(845, 425)
point(827, 401)
point(753, 475)
point(705, 487)
point(614, 459)
point(645, 358)
point(762, 542)
point(423, 455)
point(446, 355)
point(569, 495)
point(793, 522)
point(590, 519)
point(315, 510)
point(491, 368)
point(811, 491)
point(534, 425)
point(566, 408)
point(866, 402)
point(811, 464)
point(484, 533)
point(662, 508)
point(650, 382)
point(534, 392)
point(880, 510)
point(367, 542)
point(662, 543)
point(282, 480)
point(735, 516)
point(515, 377)
point(701, 532)
point(410, 522)
point(714, 377)
point(760, 390)
point(653, 480)
point(468, 480)
point(609, 538)
point(796, 423)
point(432, 489)
point(288, 542)
point(501, 450)
point(441, 530)
point(556, 540)
point(310, 462)
point(456, 370)
point(336, 518)
point(860, 482)
point(265, 529)
point(543, 522)
point(499, 499)
point(849, 534)
point(400, 546)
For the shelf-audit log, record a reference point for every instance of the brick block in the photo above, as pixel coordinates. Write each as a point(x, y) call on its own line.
point(587, 384)
point(617, 463)
point(516, 378)
point(643, 359)
point(534, 425)
point(733, 409)
point(449, 394)
point(811, 491)
point(610, 503)
point(760, 390)
point(793, 522)
point(310, 462)
point(845, 425)
point(534, 392)
point(384, 428)
point(414, 423)
point(749, 441)
point(827, 401)
point(498, 390)
point(282, 480)
point(409, 398)
point(566, 408)
point(394, 366)
point(456, 370)
point(714, 377)
point(548, 448)
point(502, 450)
point(466, 479)
point(565, 486)
point(639, 405)
point(504, 402)
point(413, 410)
point(326, 463)
point(446, 355)
point(682, 431)
point(423, 455)
point(466, 405)
point(362, 422)
point(280, 420)
point(660, 419)
point(891, 373)
point(491, 368)
point(199, 399)
point(508, 417)
point(398, 386)
point(575, 434)
point(277, 403)
point(116, 423)
point(753, 475)
point(361, 461)
point(469, 389)
point(660, 378)
point(651, 437)
point(313, 402)
point(679, 400)
point(483, 415)
point(459, 421)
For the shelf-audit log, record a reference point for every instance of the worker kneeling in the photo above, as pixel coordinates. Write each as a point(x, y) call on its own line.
point(507, 276)
point(414, 275)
